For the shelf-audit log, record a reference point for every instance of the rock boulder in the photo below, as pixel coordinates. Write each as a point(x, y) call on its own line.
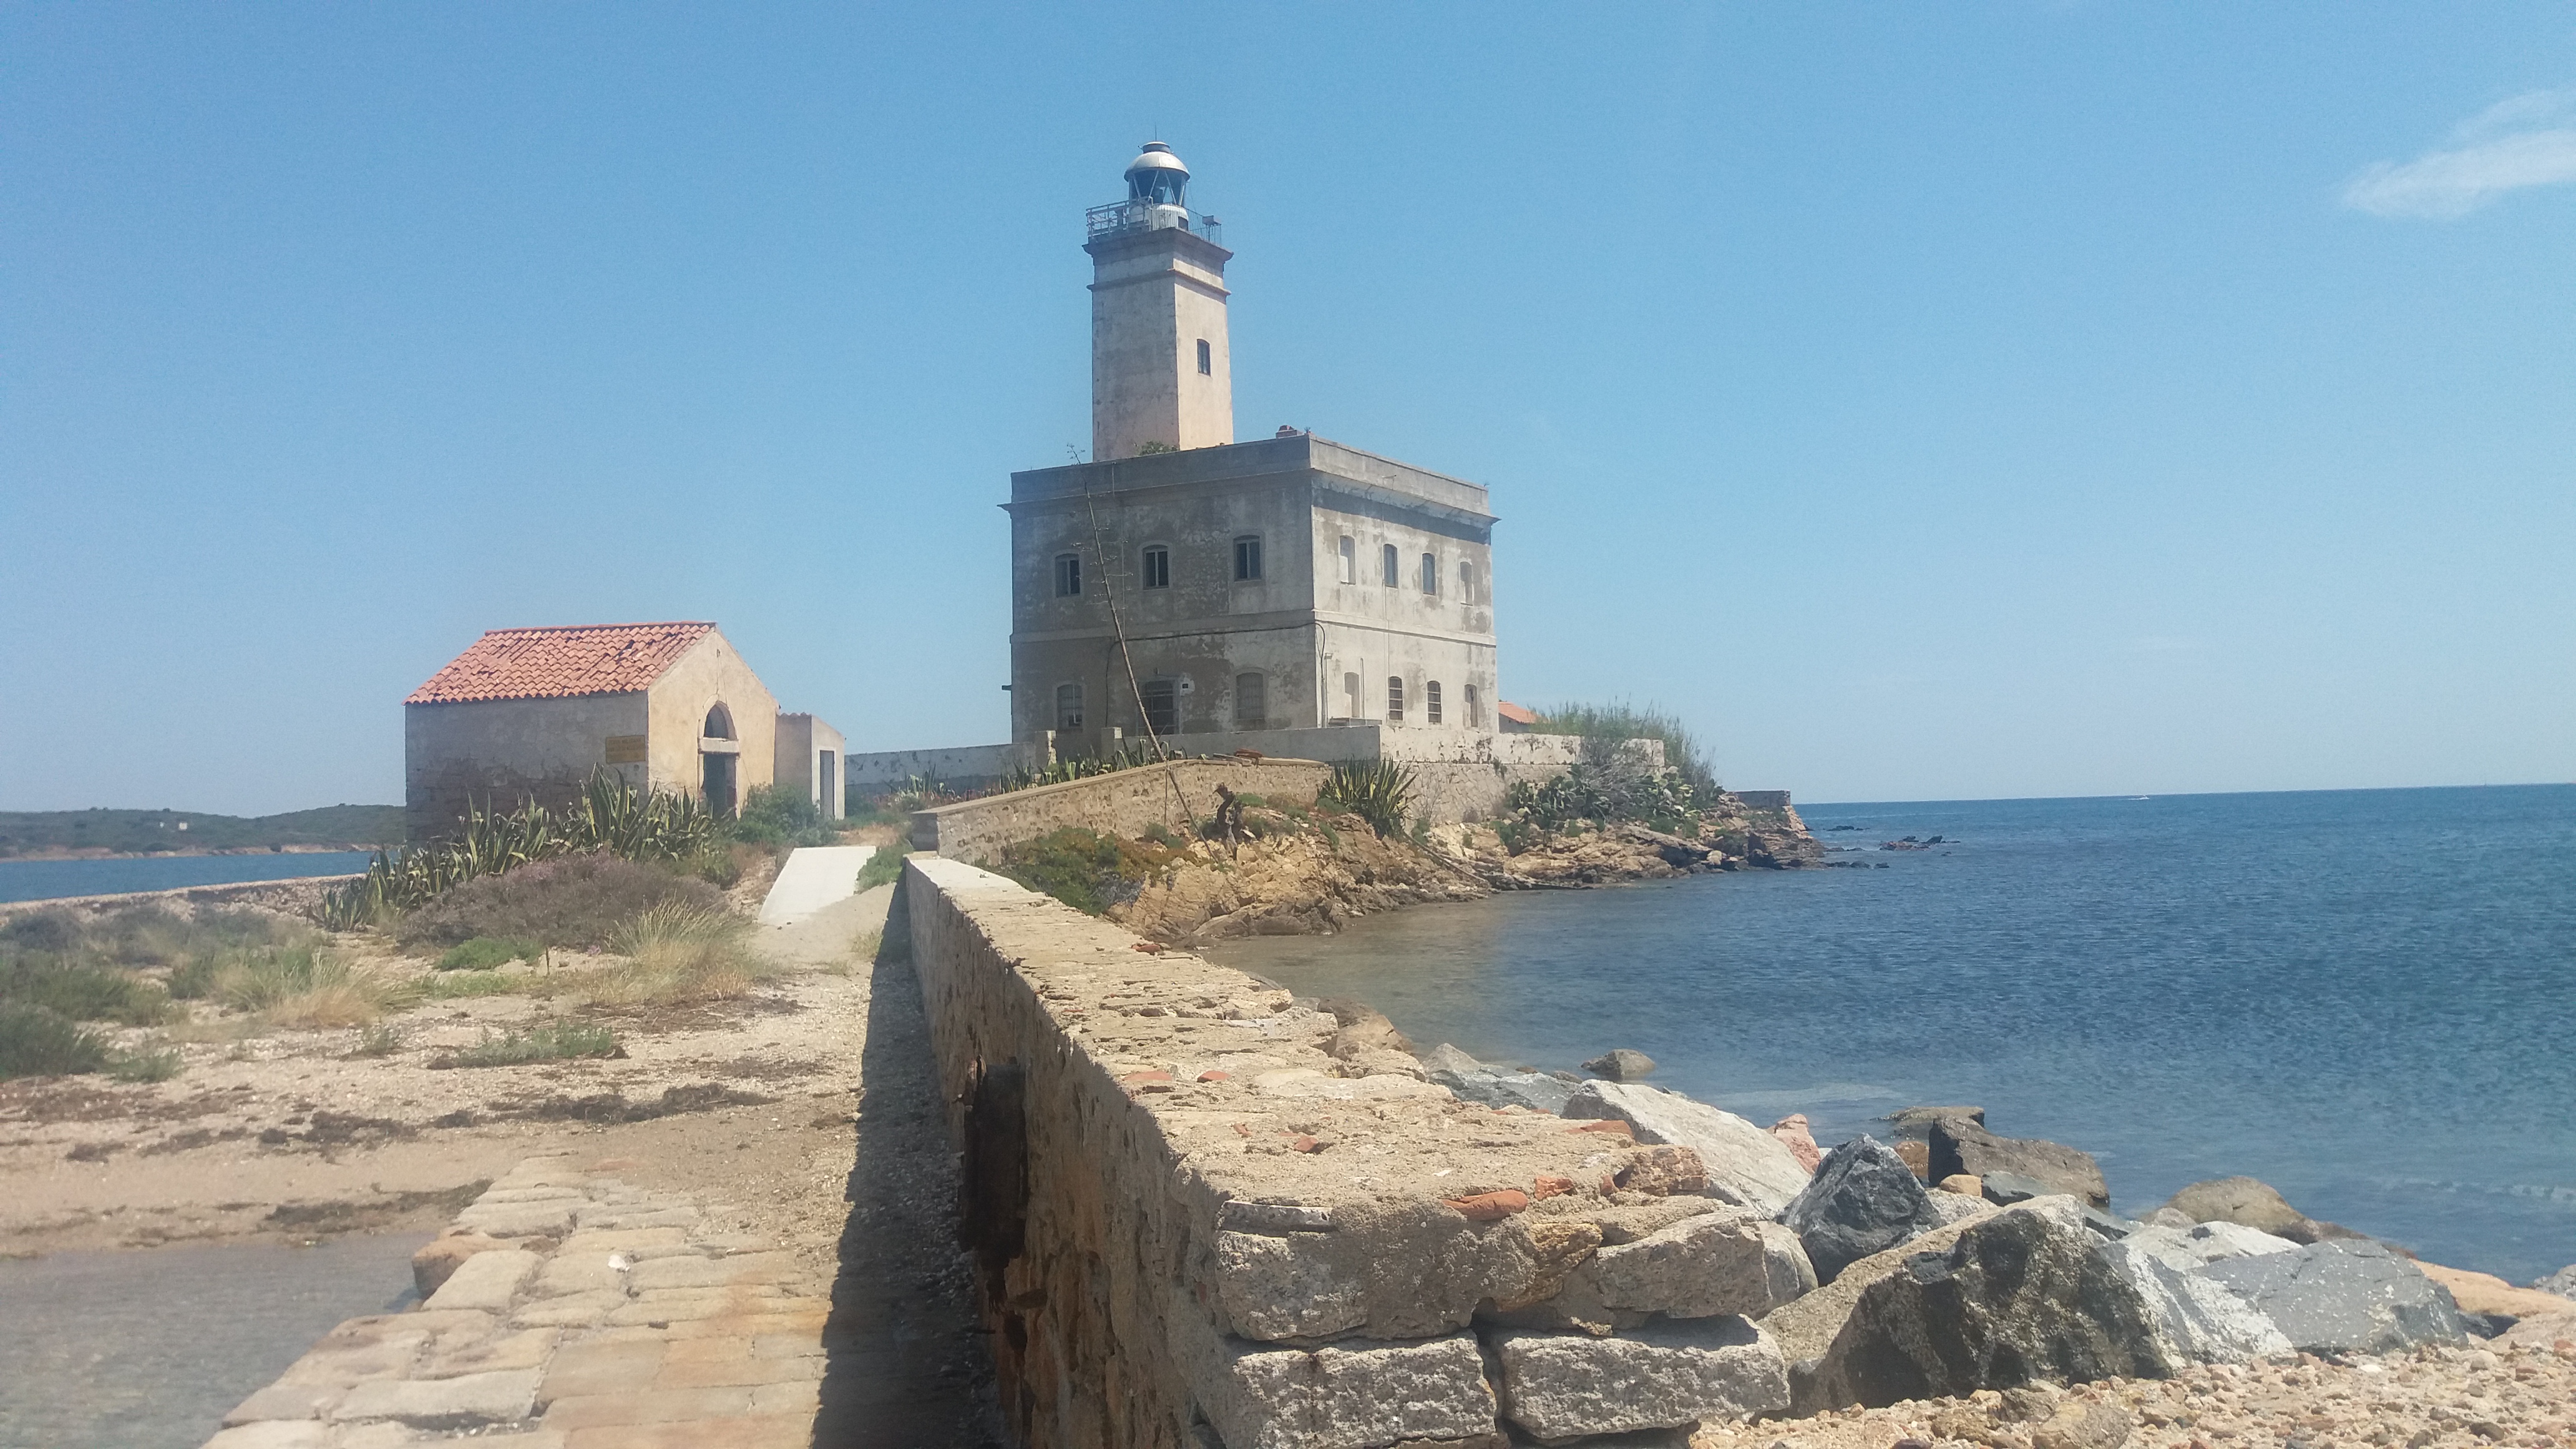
point(2343, 1297)
point(1622, 1065)
point(2183, 1249)
point(2562, 1282)
point(1746, 1165)
point(1701, 1267)
point(2194, 1319)
point(2245, 1201)
point(1490, 1087)
point(2019, 1297)
point(1959, 1145)
point(1863, 1200)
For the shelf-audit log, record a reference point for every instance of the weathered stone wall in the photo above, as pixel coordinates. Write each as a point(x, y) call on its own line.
point(1174, 796)
point(1206, 1217)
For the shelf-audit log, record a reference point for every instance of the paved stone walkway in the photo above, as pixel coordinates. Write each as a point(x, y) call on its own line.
point(587, 1312)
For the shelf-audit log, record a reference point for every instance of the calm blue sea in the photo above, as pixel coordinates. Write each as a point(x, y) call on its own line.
point(2365, 998)
point(44, 880)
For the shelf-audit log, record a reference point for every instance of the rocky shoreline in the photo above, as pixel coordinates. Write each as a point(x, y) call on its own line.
point(1958, 1286)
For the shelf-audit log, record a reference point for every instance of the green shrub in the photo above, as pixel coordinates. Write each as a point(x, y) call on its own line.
point(1376, 791)
point(883, 868)
point(1084, 869)
point(1604, 727)
point(782, 819)
point(52, 931)
point(304, 986)
point(485, 952)
point(35, 1042)
point(1660, 798)
point(452, 985)
point(552, 1042)
point(576, 901)
point(78, 991)
point(380, 1039)
point(677, 953)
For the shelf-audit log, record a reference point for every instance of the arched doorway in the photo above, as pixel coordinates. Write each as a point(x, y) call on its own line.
point(719, 754)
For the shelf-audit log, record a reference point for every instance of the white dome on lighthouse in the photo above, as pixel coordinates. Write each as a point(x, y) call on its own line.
point(1157, 175)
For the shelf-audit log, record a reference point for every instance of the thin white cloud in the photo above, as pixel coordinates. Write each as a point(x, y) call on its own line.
point(2527, 141)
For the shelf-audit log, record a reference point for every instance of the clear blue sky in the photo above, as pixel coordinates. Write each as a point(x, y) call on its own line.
point(1926, 401)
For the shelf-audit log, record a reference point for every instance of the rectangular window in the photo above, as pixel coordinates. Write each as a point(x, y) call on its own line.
point(1393, 564)
point(1350, 560)
point(1207, 360)
point(1431, 702)
point(1431, 574)
point(1467, 588)
point(1475, 716)
point(1395, 699)
point(1251, 702)
point(1162, 700)
point(1068, 706)
point(1351, 697)
point(1068, 574)
point(1158, 567)
point(1247, 558)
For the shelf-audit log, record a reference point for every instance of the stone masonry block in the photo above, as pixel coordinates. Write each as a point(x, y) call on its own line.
point(1342, 1398)
point(1284, 1288)
point(285, 1401)
point(486, 1281)
point(686, 1272)
point(458, 1403)
point(274, 1434)
point(1664, 1376)
point(1707, 1265)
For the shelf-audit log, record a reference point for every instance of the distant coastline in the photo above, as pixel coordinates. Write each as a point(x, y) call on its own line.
point(301, 848)
point(101, 834)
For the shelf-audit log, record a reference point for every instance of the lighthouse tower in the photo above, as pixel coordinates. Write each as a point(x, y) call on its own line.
point(1159, 376)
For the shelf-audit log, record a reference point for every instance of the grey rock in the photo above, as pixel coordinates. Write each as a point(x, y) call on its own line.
point(1663, 1376)
point(1862, 1200)
point(1914, 1124)
point(2003, 1189)
point(1332, 1397)
point(2562, 1282)
point(1446, 1058)
point(1700, 1267)
point(1280, 1287)
point(2343, 1297)
point(2108, 1225)
point(2242, 1200)
point(2083, 1425)
point(2183, 1249)
point(2195, 1320)
point(1959, 1145)
point(1537, 1091)
point(1621, 1065)
point(1746, 1165)
point(1956, 1207)
point(457, 1403)
point(2168, 1217)
point(1274, 1218)
point(2018, 1297)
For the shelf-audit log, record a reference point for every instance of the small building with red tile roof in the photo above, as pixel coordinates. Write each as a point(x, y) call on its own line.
point(1514, 719)
point(529, 713)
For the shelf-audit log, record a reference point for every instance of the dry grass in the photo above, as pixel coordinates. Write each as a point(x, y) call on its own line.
point(306, 987)
point(677, 953)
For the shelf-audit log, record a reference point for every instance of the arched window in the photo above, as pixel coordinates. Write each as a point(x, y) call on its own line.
point(1475, 710)
point(1393, 566)
point(1068, 706)
point(719, 724)
point(1431, 702)
point(1431, 574)
point(1251, 702)
point(1395, 699)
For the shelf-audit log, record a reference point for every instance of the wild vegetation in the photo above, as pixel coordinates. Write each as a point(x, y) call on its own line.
point(1605, 726)
point(573, 901)
point(1082, 868)
point(1379, 792)
point(552, 1041)
point(883, 868)
point(609, 819)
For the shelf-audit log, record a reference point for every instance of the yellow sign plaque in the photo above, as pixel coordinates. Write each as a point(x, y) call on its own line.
point(626, 749)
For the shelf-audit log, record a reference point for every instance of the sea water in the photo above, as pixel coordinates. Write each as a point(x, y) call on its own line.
point(2364, 998)
point(44, 880)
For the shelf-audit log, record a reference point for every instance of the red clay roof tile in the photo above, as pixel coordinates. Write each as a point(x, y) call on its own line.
point(1516, 713)
point(558, 663)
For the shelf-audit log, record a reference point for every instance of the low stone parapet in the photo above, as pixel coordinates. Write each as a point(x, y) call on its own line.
point(1173, 797)
point(1197, 1226)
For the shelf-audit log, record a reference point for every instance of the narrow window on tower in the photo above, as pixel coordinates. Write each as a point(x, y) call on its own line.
point(1068, 706)
point(1431, 702)
point(1467, 588)
point(1395, 699)
point(1351, 696)
point(1068, 574)
point(1158, 567)
point(1207, 360)
point(1247, 558)
point(1392, 563)
point(1350, 560)
point(1475, 714)
point(1431, 574)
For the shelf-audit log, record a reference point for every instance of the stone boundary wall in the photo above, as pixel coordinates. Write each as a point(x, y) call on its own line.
point(1174, 796)
point(1206, 1217)
point(963, 766)
point(293, 893)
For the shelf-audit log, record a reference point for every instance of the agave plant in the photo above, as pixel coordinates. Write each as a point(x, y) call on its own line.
point(1377, 791)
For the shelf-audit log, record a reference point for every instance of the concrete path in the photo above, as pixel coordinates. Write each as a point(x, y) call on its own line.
point(814, 877)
